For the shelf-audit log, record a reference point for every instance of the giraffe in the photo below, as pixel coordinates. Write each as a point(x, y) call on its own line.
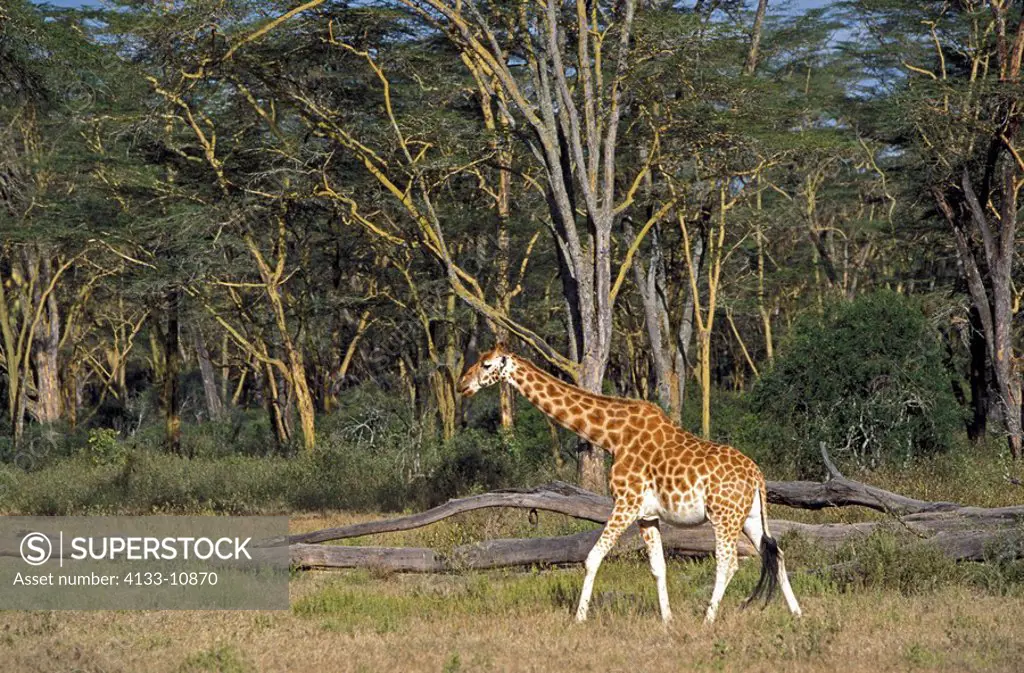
point(659, 473)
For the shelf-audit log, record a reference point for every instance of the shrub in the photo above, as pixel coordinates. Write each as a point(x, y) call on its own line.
point(104, 448)
point(866, 378)
point(472, 461)
point(372, 454)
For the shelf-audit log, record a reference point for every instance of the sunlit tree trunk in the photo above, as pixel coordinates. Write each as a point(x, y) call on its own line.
point(706, 306)
point(45, 345)
point(293, 366)
point(267, 374)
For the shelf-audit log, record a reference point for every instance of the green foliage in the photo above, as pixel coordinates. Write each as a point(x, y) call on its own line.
point(370, 456)
point(891, 560)
point(866, 378)
point(219, 659)
point(473, 462)
point(888, 560)
point(104, 448)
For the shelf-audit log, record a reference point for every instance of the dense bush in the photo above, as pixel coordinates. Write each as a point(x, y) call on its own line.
point(371, 454)
point(867, 378)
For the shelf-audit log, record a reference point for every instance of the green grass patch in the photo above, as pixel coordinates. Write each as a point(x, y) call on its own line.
point(220, 659)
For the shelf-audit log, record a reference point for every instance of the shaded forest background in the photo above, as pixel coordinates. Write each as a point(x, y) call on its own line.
point(249, 247)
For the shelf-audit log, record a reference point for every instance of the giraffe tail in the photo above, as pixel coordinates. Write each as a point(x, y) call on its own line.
point(768, 583)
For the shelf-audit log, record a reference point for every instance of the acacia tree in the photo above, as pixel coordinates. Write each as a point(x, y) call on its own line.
point(960, 65)
point(45, 197)
point(228, 189)
point(562, 72)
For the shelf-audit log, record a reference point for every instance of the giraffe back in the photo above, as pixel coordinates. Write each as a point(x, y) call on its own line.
point(677, 476)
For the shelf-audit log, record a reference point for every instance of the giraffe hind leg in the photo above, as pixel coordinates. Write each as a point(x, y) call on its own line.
point(651, 532)
point(725, 565)
point(773, 565)
point(624, 513)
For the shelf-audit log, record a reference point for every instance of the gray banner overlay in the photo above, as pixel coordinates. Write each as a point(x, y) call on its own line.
point(144, 563)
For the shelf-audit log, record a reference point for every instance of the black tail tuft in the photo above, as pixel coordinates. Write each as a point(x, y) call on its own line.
point(769, 580)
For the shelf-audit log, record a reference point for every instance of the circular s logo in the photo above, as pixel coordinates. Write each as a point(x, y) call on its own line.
point(36, 549)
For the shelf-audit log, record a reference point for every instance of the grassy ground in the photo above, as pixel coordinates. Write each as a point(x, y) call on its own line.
point(903, 610)
point(522, 621)
point(895, 608)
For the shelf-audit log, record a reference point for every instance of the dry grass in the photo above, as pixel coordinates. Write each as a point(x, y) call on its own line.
point(356, 621)
point(926, 614)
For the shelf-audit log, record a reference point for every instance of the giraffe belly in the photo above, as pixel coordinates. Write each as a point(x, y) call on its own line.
point(687, 511)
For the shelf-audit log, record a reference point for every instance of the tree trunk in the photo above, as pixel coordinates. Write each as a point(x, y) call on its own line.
point(978, 375)
point(755, 38)
point(442, 389)
point(1001, 271)
point(72, 392)
point(303, 397)
point(225, 370)
point(15, 383)
point(704, 369)
point(762, 307)
point(21, 402)
point(214, 404)
point(172, 368)
point(590, 469)
point(272, 403)
point(45, 346)
point(656, 322)
point(684, 336)
point(991, 293)
point(506, 395)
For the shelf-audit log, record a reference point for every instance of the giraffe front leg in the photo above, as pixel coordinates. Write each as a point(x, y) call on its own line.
point(622, 516)
point(652, 536)
point(726, 563)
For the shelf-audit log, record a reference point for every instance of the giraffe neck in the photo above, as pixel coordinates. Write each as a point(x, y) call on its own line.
point(567, 405)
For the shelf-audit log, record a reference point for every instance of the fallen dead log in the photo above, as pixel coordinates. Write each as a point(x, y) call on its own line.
point(501, 553)
point(563, 498)
point(401, 559)
point(958, 545)
point(839, 491)
point(960, 532)
point(557, 497)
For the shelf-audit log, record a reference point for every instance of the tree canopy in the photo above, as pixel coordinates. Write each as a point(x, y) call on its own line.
point(214, 207)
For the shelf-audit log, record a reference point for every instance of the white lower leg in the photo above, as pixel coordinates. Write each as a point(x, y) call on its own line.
point(659, 578)
point(594, 559)
point(754, 528)
point(623, 515)
point(652, 536)
point(724, 572)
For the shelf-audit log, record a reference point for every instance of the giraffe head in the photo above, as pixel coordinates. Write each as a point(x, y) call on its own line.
point(492, 367)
